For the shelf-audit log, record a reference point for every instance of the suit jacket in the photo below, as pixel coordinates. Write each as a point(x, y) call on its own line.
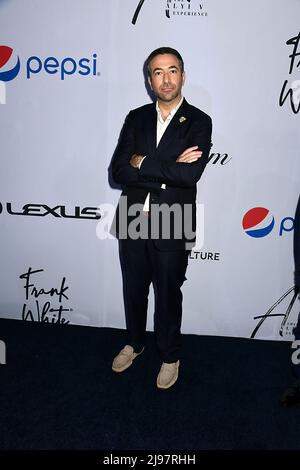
point(188, 127)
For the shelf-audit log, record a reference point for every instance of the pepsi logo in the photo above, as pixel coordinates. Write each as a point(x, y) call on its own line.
point(6, 54)
point(258, 222)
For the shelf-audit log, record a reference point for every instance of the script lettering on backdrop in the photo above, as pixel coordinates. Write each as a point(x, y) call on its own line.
point(190, 8)
point(292, 90)
point(137, 11)
point(219, 158)
point(43, 311)
point(285, 329)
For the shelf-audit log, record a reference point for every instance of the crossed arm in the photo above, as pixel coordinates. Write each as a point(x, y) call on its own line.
point(183, 171)
point(190, 155)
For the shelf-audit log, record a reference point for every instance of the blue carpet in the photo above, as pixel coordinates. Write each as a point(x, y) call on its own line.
point(58, 392)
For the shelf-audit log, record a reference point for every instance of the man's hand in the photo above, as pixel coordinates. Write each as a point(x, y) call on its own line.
point(135, 160)
point(190, 155)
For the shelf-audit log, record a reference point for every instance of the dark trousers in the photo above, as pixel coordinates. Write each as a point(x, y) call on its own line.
point(142, 263)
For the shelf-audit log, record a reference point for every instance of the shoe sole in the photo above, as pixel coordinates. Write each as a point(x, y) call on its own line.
point(121, 369)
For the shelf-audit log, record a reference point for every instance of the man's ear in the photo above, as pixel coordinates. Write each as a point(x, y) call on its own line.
point(149, 81)
point(183, 78)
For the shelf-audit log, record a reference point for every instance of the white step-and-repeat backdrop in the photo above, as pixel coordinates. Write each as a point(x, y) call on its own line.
point(70, 70)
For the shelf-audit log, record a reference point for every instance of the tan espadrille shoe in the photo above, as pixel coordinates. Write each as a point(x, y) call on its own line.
point(168, 374)
point(124, 359)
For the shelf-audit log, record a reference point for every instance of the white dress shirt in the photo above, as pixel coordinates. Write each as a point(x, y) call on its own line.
point(160, 130)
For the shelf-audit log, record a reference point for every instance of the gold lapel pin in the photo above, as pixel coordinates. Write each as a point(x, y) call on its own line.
point(182, 119)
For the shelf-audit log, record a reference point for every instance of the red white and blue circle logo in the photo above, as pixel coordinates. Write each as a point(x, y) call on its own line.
point(6, 54)
point(258, 222)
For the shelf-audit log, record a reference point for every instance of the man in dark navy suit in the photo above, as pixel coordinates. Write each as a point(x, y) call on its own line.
point(291, 395)
point(161, 154)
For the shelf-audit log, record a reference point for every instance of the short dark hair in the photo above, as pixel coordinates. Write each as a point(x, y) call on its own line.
point(164, 50)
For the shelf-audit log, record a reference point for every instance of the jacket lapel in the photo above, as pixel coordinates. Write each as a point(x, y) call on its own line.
point(173, 127)
point(151, 130)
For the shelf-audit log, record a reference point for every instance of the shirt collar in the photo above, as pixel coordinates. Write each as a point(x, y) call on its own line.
point(171, 113)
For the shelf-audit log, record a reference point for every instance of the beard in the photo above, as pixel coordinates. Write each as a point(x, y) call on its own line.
point(168, 95)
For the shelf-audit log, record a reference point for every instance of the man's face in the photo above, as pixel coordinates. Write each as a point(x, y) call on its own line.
point(166, 79)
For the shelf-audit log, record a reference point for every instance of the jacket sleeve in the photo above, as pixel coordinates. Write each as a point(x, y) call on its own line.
point(168, 171)
point(123, 173)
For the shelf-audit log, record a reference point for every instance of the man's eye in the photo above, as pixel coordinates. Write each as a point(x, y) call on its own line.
point(157, 73)
point(173, 71)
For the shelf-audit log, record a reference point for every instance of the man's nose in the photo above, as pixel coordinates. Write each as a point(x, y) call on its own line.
point(166, 77)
